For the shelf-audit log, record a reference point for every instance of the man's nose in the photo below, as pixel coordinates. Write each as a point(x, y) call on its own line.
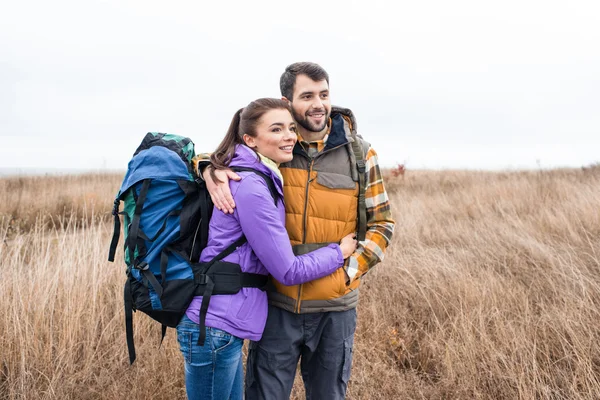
point(317, 103)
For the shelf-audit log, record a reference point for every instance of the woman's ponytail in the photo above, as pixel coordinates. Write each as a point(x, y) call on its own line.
point(223, 155)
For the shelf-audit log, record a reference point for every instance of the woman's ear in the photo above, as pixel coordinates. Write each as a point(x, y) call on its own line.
point(249, 140)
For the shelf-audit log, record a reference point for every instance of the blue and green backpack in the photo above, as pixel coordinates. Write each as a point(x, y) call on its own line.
point(166, 214)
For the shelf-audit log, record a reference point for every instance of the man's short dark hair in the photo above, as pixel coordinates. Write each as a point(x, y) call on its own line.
point(288, 78)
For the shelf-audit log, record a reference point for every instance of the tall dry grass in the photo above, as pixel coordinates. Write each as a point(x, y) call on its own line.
point(53, 201)
point(490, 290)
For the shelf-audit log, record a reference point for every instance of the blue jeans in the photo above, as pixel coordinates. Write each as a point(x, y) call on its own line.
point(213, 371)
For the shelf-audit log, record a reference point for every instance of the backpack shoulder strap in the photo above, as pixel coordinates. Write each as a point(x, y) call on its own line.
point(266, 178)
point(360, 148)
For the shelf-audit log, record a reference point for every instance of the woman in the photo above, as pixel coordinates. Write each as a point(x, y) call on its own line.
point(260, 136)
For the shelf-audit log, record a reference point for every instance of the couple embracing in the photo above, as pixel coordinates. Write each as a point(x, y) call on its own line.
point(329, 224)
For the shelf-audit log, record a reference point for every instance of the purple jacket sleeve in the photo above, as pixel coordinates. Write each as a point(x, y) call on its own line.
point(261, 223)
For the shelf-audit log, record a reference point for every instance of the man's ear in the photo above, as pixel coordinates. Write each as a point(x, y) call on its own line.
point(249, 140)
point(286, 100)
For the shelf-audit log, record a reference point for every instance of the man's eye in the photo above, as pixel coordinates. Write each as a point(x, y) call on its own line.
point(324, 96)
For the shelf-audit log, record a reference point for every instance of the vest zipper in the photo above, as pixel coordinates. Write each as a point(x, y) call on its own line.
point(304, 217)
point(304, 221)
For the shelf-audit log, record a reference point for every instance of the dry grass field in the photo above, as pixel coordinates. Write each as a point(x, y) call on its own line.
point(490, 290)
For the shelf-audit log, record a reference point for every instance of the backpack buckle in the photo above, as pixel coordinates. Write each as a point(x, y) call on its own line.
point(361, 166)
point(201, 279)
point(142, 266)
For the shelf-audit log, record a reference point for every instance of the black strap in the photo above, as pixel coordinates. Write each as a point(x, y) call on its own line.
point(251, 280)
point(227, 283)
point(140, 245)
point(210, 285)
point(226, 252)
point(164, 225)
point(266, 178)
point(135, 223)
point(205, 212)
point(153, 281)
point(246, 279)
point(164, 262)
point(141, 237)
point(181, 253)
point(116, 232)
point(163, 332)
point(362, 205)
point(129, 321)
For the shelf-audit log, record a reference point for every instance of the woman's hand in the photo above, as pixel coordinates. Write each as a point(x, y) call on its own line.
point(348, 245)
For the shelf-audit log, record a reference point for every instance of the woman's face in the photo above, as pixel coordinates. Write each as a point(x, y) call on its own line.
point(275, 136)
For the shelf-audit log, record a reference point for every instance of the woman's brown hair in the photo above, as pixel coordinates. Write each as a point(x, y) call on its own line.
point(244, 121)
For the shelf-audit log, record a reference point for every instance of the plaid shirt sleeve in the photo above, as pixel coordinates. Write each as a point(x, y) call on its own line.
point(200, 162)
point(380, 225)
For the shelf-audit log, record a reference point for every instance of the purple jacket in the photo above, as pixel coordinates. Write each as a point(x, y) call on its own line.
point(268, 251)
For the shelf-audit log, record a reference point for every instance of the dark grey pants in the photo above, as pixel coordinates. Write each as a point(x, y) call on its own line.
point(323, 340)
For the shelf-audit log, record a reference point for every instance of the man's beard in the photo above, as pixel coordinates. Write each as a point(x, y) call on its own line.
point(304, 122)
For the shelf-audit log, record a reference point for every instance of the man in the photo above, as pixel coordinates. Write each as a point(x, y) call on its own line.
point(316, 321)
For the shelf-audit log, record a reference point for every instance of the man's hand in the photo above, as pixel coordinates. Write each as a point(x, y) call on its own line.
point(220, 192)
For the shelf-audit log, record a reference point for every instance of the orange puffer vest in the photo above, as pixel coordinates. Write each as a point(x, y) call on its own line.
point(321, 203)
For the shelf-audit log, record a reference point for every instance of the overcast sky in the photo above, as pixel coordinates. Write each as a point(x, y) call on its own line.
point(438, 84)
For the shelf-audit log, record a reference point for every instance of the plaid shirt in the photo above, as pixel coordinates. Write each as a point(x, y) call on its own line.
point(380, 225)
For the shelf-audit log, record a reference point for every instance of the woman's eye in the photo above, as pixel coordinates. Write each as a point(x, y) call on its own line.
point(276, 130)
point(293, 128)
